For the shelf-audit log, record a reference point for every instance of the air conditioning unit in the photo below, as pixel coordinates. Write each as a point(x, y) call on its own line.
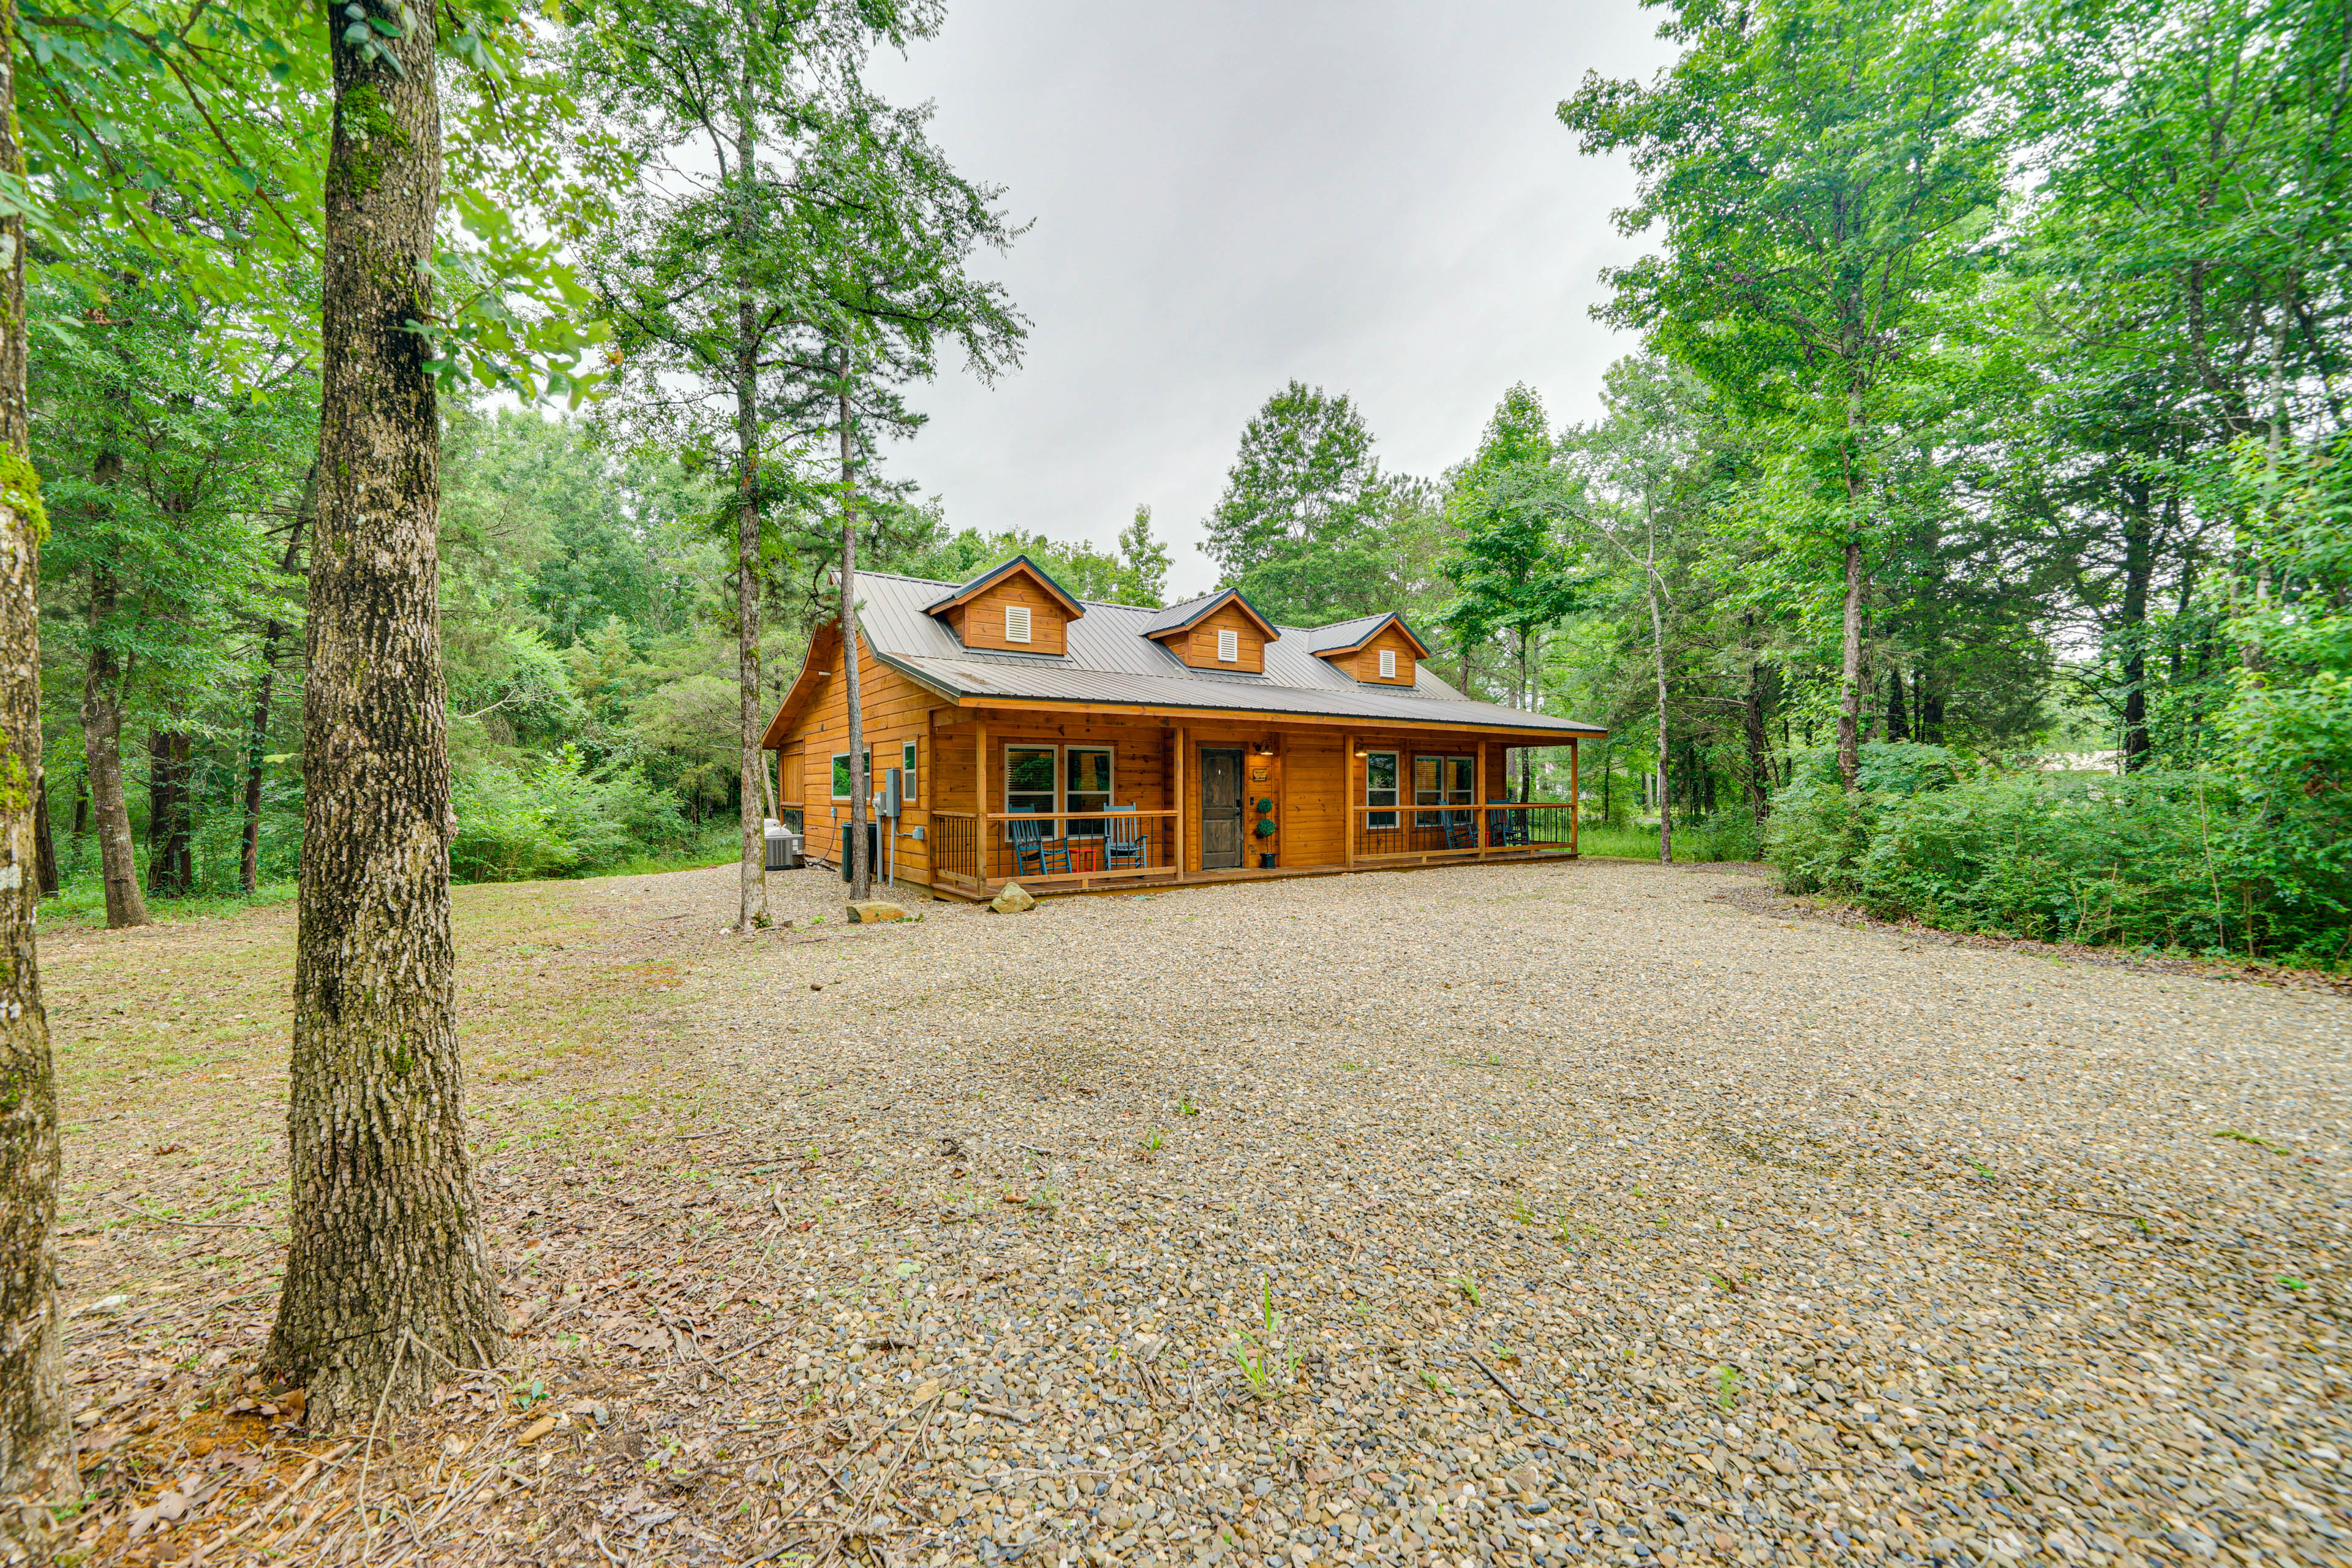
point(783, 848)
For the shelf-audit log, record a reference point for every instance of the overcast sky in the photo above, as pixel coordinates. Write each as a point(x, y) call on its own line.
point(1374, 197)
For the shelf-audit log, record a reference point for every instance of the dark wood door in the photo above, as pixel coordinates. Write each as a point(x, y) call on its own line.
point(1221, 810)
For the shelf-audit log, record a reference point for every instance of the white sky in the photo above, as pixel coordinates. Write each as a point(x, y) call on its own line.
point(1374, 197)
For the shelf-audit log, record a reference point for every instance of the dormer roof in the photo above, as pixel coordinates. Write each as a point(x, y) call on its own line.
point(1022, 565)
point(1183, 617)
point(1344, 637)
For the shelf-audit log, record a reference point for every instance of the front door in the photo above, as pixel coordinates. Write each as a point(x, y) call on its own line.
point(1221, 810)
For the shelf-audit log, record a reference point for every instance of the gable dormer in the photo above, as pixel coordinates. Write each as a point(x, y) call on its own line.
point(1378, 650)
point(1013, 608)
point(1216, 631)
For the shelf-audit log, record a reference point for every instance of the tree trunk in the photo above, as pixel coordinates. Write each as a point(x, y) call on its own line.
point(1849, 730)
point(101, 745)
point(45, 846)
point(1760, 751)
point(36, 1467)
point(1665, 755)
point(751, 883)
point(171, 860)
point(386, 1286)
point(256, 745)
point(2139, 568)
point(1898, 710)
point(1526, 754)
point(861, 871)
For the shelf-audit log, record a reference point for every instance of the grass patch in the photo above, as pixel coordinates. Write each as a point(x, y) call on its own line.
point(1700, 844)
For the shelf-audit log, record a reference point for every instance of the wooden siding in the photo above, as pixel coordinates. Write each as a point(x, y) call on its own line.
point(897, 711)
point(1198, 647)
point(981, 622)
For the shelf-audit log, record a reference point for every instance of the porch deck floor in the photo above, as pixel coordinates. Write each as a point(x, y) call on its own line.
point(966, 890)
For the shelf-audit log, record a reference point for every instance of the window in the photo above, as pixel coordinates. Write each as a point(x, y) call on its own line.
point(1029, 779)
point(1054, 780)
point(841, 773)
point(1380, 787)
point(1441, 781)
point(1229, 646)
point(1086, 774)
point(906, 761)
point(1016, 623)
point(1388, 663)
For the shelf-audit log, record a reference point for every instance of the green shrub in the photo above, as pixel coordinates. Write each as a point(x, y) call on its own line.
point(556, 818)
point(2172, 859)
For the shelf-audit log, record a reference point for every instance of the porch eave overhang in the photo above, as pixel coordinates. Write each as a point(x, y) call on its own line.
point(1172, 711)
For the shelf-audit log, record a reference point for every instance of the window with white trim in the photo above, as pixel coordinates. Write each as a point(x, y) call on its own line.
point(1442, 781)
point(841, 781)
point(1086, 786)
point(906, 761)
point(1380, 787)
point(1388, 663)
point(1029, 780)
point(1229, 645)
point(1053, 781)
point(1016, 623)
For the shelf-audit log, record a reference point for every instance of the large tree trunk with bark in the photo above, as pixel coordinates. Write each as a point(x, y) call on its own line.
point(1849, 730)
point(37, 1467)
point(861, 868)
point(2139, 570)
point(386, 1286)
point(256, 738)
point(171, 816)
point(102, 746)
point(1760, 751)
point(751, 906)
point(45, 844)
point(1665, 758)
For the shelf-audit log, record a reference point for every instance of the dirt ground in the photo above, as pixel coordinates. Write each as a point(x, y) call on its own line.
point(1513, 1215)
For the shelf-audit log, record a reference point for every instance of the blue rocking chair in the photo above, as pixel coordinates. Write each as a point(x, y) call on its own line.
point(1461, 829)
point(1126, 845)
point(1028, 841)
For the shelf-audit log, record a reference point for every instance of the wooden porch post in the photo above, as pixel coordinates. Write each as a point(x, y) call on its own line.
point(979, 800)
point(1479, 790)
point(1179, 803)
point(1348, 800)
point(1575, 804)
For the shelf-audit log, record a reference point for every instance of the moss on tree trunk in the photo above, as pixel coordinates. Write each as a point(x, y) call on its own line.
point(36, 1447)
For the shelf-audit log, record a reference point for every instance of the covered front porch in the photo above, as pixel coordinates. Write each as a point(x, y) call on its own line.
point(1081, 802)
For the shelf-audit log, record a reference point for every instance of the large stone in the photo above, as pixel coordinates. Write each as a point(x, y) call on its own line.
point(875, 911)
point(1012, 899)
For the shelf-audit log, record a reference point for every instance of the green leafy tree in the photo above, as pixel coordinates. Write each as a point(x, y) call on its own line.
point(1823, 173)
point(1513, 562)
point(1296, 528)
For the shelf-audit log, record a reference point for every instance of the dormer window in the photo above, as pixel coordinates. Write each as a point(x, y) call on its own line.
point(1217, 631)
point(1015, 606)
point(1376, 649)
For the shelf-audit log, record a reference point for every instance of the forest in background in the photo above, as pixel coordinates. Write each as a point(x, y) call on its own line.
point(1986, 414)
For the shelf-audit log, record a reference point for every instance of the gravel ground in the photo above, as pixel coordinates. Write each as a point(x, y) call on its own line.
point(1598, 1219)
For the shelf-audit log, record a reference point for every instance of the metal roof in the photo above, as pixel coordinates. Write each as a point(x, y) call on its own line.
point(1112, 660)
point(1183, 615)
point(1344, 633)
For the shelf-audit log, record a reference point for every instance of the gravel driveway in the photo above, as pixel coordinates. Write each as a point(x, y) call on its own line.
point(1602, 1219)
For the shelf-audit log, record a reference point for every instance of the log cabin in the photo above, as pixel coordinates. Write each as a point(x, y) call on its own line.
point(1076, 746)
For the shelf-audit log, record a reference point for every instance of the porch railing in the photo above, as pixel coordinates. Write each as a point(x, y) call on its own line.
point(981, 850)
point(1437, 833)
